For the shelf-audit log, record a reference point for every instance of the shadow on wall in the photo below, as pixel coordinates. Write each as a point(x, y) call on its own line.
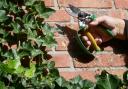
point(119, 46)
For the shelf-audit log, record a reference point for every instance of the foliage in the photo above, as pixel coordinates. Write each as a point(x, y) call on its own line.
point(23, 58)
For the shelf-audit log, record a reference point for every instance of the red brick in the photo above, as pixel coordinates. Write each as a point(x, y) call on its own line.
point(118, 72)
point(102, 60)
point(119, 60)
point(62, 43)
point(118, 13)
point(121, 4)
point(90, 75)
point(59, 15)
point(114, 60)
point(61, 59)
point(79, 64)
point(87, 3)
point(49, 3)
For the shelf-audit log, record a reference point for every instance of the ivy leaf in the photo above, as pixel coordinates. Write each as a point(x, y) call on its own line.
point(13, 64)
point(13, 8)
point(28, 21)
point(31, 71)
point(107, 81)
point(51, 64)
point(54, 72)
point(43, 12)
point(4, 68)
point(125, 77)
point(2, 85)
point(49, 41)
point(47, 29)
point(19, 70)
point(3, 3)
point(36, 52)
point(23, 53)
point(29, 2)
point(16, 27)
point(3, 16)
point(76, 80)
point(86, 84)
point(61, 82)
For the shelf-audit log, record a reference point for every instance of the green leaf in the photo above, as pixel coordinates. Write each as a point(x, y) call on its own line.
point(36, 52)
point(16, 27)
point(86, 84)
point(13, 64)
point(43, 12)
point(3, 16)
point(107, 81)
point(29, 2)
point(61, 82)
point(54, 72)
point(2, 85)
point(19, 70)
point(51, 64)
point(13, 8)
point(29, 21)
point(125, 77)
point(4, 68)
point(3, 3)
point(23, 53)
point(76, 80)
point(31, 71)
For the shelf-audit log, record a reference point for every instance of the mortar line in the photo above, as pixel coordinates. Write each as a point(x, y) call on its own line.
point(91, 69)
point(113, 5)
point(56, 4)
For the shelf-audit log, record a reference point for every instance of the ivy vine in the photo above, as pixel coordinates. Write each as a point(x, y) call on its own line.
point(23, 63)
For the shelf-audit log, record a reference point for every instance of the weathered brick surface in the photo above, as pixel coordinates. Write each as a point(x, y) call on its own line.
point(90, 74)
point(121, 4)
point(67, 56)
point(88, 3)
point(62, 43)
point(58, 16)
point(49, 3)
point(61, 59)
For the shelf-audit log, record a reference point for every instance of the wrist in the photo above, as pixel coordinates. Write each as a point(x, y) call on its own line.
point(121, 29)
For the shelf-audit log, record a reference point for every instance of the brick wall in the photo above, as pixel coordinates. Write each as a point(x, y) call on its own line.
point(66, 56)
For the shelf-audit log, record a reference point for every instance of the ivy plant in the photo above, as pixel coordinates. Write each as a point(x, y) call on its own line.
point(23, 59)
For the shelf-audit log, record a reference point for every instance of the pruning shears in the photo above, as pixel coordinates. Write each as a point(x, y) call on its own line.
point(83, 20)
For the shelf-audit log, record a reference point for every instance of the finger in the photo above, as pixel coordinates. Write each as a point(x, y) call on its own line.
point(98, 40)
point(85, 38)
point(98, 20)
point(88, 43)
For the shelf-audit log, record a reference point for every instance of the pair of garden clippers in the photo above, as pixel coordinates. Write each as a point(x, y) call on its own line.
point(83, 20)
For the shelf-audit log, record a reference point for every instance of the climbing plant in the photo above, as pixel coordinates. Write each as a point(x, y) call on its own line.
point(23, 58)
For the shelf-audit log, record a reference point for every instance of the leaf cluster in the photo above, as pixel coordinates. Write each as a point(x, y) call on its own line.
point(23, 63)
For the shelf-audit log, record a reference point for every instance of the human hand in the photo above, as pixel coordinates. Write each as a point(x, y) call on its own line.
point(95, 28)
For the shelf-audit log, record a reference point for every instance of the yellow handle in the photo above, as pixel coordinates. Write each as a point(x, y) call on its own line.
point(91, 38)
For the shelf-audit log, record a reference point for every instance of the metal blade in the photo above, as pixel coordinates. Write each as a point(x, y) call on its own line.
point(73, 11)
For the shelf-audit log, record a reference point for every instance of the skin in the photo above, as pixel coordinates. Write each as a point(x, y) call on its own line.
point(115, 24)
